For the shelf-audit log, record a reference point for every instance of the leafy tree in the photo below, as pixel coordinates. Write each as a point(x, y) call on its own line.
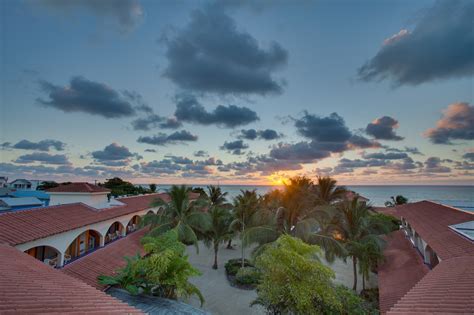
point(396, 201)
point(164, 271)
point(120, 187)
point(219, 231)
point(188, 217)
point(355, 228)
point(327, 190)
point(294, 281)
point(200, 191)
point(246, 206)
point(153, 188)
point(47, 185)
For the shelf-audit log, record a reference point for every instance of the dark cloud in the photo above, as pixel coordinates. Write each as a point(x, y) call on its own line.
point(180, 160)
point(434, 165)
point(457, 123)
point(234, 147)
point(43, 145)
point(57, 159)
point(323, 129)
point(155, 121)
point(112, 152)
point(211, 55)
point(252, 134)
point(170, 123)
point(383, 129)
point(411, 150)
point(360, 142)
point(164, 139)
point(201, 153)
point(126, 14)
point(405, 165)
point(439, 47)
point(86, 96)
point(188, 109)
point(386, 156)
point(165, 166)
point(302, 151)
point(469, 156)
point(150, 150)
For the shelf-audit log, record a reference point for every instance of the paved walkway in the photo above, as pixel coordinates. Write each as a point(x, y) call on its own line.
point(221, 298)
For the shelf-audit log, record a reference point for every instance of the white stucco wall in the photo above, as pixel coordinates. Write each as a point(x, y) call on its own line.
point(94, 200)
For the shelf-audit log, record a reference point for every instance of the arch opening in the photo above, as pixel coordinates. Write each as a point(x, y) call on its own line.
point(430, 257)
point(115, 231)
point(133, 224)
point(86, 242)
point(47, 254)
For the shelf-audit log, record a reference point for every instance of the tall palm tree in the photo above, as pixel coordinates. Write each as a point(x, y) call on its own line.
point(188, 217)
point(355, 228)
point(327, 190)
point(246, 205)
point(216, 196)
point(219, 231)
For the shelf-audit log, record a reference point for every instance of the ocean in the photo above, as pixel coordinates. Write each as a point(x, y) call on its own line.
point(457, 196)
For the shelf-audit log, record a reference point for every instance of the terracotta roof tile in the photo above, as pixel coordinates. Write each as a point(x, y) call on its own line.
point(431, 221)
point(402, 269)
point(28, 225)
point(447, 289)
point(80, 187)
point(105, 261)
point(29, 286)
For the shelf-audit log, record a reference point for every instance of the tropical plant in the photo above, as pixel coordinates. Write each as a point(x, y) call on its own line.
point(354, 227)
point(294, 281)
point(246, 205)
point(327, 190)
point(218, 231)
point(216, 196)
point(152, 188)
point(188, 217)
point(164, 271)
point(248, 276)
point(396, 201)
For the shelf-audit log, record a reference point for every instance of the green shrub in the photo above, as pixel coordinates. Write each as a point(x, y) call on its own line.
point(248, 276)
point(352, 303)
point(233, 265)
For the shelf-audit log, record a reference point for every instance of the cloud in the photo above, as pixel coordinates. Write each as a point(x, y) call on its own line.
point(433, 165)
point(162, 139)
point(43, 145)
point(457, 123)
point(234, 147)
point(411, 150)
point(469, 156)
point(383, 129)
point(301, 151)
point(57, 159)
point(360, 142)
point(210, 55)
point(252, 134)
point(323, 129)
point(439, 47)
point(165, 166)
point(126, 14)
point(112, 152)
point(150, 150)
point(188, 109)
point(201, 153)
point(386, 156)
point(180, 160)
point(86, 96)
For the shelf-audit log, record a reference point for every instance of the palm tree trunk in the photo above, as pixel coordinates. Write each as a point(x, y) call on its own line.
point(216, 249)
point(354, 266)
point(229, 244)
point(363, 282)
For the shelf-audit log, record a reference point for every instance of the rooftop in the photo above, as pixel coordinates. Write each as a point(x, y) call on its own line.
point(80, 187)
point(40, 289)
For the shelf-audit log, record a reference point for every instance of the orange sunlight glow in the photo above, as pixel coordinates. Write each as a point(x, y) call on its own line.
point(277, 179)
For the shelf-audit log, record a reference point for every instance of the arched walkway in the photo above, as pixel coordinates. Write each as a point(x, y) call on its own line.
point(47, 254)
point(150, 212)
point(133, 224)
point(84, 243)
point(115, 231)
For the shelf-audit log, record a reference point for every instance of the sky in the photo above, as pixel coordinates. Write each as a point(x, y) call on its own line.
point(237, 92)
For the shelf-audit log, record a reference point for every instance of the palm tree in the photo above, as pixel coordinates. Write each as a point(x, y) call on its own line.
point(219, 231)
point(355, 228)
point(216, 196)
point(396, 201)
point(246, 205)
point(188, 217)
point(327, 190)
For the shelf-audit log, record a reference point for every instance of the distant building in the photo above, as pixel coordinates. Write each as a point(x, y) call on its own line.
point(25, 184)
point(41, 195)
point(3, 182)
point(14, 204)
point(89, 194)
point(350, 195)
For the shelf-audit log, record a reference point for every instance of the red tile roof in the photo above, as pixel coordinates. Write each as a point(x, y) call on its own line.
point(402, 269)
point(350, 195)
point(431, 221)
point(28, 225)
point(78, 188)
point(447, 289)
point(28, 286)
point(105, 261)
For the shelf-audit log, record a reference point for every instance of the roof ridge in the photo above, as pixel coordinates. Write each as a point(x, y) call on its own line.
point(449, 206)
point(54, 206)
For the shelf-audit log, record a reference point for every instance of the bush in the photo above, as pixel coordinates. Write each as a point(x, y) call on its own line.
point(233, 265)
point(352, 303)
point(248, 276)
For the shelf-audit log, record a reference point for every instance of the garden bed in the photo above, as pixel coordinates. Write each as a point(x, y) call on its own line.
point(245, 278)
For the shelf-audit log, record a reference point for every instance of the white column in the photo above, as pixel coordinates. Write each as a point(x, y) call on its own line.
point(102, 241)
point(60, 259)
